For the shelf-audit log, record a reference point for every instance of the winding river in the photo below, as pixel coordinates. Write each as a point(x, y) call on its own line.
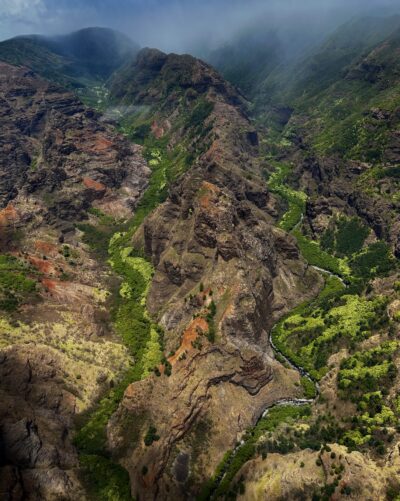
point(284, 401)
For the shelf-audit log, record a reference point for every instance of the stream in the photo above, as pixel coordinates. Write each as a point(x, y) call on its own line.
point(284, 401)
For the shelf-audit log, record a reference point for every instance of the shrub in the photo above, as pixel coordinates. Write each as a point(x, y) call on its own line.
point(375, 260)
point(151, 436)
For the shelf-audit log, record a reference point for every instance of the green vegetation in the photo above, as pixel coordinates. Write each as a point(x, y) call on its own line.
point(98, 235)
point(296, 200)
point(199, 114)
point(219, 484)
point(139, 334)
point(311, 333)
point(15, 286)
point(364, 371)
point(107, 481)
point(308, 387)
point(131, 320)
point(346, 238)
point(313, 253)
point(151, 436)
point(376, 259)
point(340, 113)
point(212, 311)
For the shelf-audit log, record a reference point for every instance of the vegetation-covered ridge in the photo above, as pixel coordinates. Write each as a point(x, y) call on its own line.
point(17, 282)
point(341, 318)
point(133, 324)
point(139, 333)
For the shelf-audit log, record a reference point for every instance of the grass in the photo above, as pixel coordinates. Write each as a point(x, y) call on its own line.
point(107, 480)
point(131, 320)
point(365, 370)
point(16, 287)
point(314, 255)
point(219, 485)
point(296, 200)
point(308, 387)
point(312, 332)
point(346, 238)
point(376, 259)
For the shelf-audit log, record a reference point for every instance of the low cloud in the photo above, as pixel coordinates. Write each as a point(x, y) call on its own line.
point(176, 25)
point(16, 8)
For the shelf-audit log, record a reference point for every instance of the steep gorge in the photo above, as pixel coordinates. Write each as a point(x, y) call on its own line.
point(141, 273)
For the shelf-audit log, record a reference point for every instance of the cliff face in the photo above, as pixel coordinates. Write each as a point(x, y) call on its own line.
point(223, 275)
point(56, 153)
point(58, 350)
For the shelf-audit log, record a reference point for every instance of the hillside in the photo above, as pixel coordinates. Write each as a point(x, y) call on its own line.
point(81, 61)
point(124, 291)
point(217, 259)
point(59, 165)
point(200, 290)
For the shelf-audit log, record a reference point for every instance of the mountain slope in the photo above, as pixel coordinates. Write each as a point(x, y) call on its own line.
point(214, 311)
point(335, 168)
point(97, 296)
point(59, 164)
point(221, 279)
point(80, 59)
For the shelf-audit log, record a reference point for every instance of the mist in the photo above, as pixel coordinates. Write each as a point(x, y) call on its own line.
point(182, 25)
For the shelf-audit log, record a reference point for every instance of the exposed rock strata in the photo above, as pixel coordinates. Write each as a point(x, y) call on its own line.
point(216, 228)
point(59, 353)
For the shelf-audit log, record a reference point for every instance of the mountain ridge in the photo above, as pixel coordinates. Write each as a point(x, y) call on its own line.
point(197, 304)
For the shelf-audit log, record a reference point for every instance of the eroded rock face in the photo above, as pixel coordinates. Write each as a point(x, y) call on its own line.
point(56, 151)
point(58, 351)
point(215, 229)
point(37, 458)
point(337, 187)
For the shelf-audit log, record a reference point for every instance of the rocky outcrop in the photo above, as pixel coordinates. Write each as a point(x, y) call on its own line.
point(337, 186)
point(156, 78)
point(58, 351)
point(56, 152)
point(224, 275)
point(37, 458)
point(305, 473)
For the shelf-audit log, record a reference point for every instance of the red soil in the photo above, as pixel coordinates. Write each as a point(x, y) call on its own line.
point(46, 248)
point(91, 184)
point(102, 144)
point(8, 215)
point(190, 334)
point(43, 265)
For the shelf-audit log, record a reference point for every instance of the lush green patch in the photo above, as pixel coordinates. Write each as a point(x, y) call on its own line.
point(131, 320)
point(107, 480)
point(376, 259)
point(308, 387)
point(315, 434)
point(316, 256)
point(15, 286)
point(312, 333)
point(346, 238)
point(296, 200)
point(200, 113)
point(219, 484)
point(393, 172)
point(364, 371)
point(151, 436)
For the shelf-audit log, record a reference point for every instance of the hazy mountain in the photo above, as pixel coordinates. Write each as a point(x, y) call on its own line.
point(199, 279)
point(77, 59)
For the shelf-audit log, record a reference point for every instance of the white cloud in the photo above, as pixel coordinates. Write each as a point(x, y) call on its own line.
point(12, 8)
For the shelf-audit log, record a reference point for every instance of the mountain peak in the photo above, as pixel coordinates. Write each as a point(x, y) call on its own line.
point(88, 55)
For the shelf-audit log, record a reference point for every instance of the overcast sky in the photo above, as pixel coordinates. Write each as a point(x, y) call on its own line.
point(172, 25)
